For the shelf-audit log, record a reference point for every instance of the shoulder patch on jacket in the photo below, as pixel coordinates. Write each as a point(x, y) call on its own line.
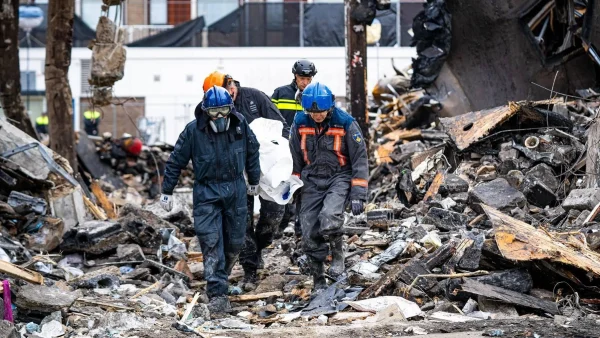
point(357, 137)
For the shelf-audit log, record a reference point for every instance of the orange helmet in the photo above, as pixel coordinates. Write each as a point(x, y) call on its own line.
point(133, 146)
point(216, 78)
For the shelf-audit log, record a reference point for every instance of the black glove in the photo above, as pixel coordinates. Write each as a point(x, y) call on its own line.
point(358, 207)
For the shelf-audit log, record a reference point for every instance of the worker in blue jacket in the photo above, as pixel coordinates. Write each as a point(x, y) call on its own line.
point(330, 157)
point(221, 146)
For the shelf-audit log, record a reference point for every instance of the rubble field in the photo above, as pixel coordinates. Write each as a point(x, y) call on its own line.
point(484, 223)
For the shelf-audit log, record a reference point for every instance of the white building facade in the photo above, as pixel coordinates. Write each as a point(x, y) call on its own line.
point(167, 82)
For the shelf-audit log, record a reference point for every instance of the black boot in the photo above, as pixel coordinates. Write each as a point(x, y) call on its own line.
point(317, 271)
point(337, 269)
point(219, 305)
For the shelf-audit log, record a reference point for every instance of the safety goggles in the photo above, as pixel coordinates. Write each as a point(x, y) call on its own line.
point(316, 105)
point(218, 111)
point(315, 108)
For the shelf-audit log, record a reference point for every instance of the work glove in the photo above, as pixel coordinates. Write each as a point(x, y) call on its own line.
point(166, 202)
point(358, 207)
point(252, 190)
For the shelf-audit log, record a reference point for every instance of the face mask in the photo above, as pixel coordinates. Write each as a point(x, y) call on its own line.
point(220, 125)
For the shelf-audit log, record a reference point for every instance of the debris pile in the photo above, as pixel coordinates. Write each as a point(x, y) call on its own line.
point(126, 178)
point(494, 218)
point(481, 219)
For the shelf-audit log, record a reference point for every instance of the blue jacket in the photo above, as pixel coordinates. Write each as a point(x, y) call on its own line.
point(336, 148)
point(216, 157)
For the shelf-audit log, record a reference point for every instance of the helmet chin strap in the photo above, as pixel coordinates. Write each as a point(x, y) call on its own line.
point(220, 125)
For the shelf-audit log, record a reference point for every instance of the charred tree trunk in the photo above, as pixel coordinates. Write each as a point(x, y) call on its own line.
point(10, 74)
point(356, 67)
point(59, 41)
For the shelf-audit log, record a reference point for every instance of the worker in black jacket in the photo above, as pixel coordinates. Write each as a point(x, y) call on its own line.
point(253, 104)
point(286, 97)
point(287, 100)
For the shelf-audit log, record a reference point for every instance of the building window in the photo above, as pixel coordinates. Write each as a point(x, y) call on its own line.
point(158, 12)
point(27, 81)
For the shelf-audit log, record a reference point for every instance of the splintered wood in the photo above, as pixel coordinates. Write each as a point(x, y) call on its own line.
point(520, 241)
point(435, 186)
point(108, 206)
point(22, 273)
point(464, 130)
point(382, 155)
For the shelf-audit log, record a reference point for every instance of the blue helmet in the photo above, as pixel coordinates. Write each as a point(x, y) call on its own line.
point(317, 97)
point(216, 97)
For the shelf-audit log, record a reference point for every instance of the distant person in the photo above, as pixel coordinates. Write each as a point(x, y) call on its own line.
point(41, 124)
point(91, 120)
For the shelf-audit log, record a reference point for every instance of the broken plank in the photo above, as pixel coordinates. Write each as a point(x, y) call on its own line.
point(101, 304)
point(383, 243)
point(435, 186)
point(520, 241)
point(97, 212)
point(250, 298)
point(108, 207)
point(441, 255)
point(508, 296)
point(592, 215)
point(382, 154)
point(467, 129)
point(21, 273)
point(382, 283)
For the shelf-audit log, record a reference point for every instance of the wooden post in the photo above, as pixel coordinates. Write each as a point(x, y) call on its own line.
point(59, 41)
point(356, 67)
point(10, 74)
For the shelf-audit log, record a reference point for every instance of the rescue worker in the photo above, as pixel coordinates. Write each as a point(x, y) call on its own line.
point(253, 104)
point(287, 100)
point(41, 124)
point(284, 97)
point(330, 157)
point(221, 146)
point(91, 120)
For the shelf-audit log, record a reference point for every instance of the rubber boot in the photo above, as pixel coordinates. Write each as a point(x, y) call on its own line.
point(219, 305)
point(317, 271)
point(337, 269)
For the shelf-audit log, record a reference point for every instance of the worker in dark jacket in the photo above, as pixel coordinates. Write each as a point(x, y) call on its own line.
point(287, 100)
point(253, 104)
point(285, 97)
point(221, 146)
point(330, 157)
point(250, 102)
